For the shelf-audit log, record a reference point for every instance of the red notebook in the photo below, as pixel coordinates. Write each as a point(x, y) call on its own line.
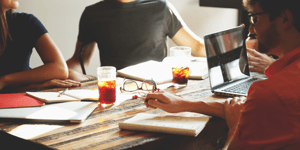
point(18, 100)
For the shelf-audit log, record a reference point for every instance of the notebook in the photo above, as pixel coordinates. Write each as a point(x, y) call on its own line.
point(227, 62)
point(16, 100)
point(172, 124)
point(67, 112)
point(69, 95)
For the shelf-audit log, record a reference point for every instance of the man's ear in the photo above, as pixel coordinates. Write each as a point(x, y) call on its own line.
point(288, 18)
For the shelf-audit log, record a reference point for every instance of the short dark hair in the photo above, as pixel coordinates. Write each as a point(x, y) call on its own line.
point(275, 7)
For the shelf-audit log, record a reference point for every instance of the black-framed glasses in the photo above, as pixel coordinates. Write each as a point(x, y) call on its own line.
point(252, 17)
point(132, 85)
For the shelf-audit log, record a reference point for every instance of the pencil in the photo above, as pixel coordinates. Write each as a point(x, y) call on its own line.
point(62, 93)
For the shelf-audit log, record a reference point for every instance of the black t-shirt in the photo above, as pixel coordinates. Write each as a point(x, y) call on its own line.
point(25, 30)
point(128, 33)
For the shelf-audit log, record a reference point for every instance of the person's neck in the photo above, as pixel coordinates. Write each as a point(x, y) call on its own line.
point(289, 42)
point(126, 1)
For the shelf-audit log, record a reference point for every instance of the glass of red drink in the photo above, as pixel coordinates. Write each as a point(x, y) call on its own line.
point(107, 84)
point(107, 91)
point(180, 75)
point(181, 58)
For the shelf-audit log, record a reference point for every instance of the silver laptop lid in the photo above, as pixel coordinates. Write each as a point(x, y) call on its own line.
point(67, 112)
point(226, 57)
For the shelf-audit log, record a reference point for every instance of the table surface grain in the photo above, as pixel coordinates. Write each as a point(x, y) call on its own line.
point(100, 130)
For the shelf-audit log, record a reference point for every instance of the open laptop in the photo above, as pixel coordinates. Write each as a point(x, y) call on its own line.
point(62, 113)
point(227, 62)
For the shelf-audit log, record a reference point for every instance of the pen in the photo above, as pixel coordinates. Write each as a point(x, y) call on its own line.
point(62, 93)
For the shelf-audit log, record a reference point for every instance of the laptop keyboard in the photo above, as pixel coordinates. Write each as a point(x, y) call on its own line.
point(241, 88)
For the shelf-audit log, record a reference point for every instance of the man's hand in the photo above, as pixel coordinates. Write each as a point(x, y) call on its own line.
point(165, 101)
point(233, 111)
point(233, 108)
point(258, 61)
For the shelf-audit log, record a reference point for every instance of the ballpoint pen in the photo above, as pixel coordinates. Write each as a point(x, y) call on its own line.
point(62, 93)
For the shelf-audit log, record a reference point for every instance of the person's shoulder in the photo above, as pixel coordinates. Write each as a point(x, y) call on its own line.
point(96, 7)
point(263, 89)
point(276, 89)
point(156, 2)
point(22, 16)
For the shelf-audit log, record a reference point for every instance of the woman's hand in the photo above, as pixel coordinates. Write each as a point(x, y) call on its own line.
point(61, 83)
point(67, 83)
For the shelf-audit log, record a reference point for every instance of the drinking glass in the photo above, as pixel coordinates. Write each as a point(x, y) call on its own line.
point(180, 56)
point(107, 84)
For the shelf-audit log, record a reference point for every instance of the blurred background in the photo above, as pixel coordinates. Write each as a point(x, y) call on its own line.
point(61, 19)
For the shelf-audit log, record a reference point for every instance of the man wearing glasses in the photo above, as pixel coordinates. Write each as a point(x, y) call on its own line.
point(258, 61)
point(269, 117)
point(129, 32)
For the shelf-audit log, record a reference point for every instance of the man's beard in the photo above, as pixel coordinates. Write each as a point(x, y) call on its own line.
point(261, 48)
point(270, 41)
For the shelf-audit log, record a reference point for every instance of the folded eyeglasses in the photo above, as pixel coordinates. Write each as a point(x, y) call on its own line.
point(131, 85)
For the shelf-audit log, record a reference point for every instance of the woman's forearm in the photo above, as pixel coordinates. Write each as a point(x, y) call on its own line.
point(37, 75)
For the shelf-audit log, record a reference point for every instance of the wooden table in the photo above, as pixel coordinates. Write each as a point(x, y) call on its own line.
point(100, 130)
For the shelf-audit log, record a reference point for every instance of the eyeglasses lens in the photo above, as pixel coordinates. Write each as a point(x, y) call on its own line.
point(253, 19)
point(147, 86)
point(130, 85)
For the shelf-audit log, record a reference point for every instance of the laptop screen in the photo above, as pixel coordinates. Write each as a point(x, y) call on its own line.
point(226, 56)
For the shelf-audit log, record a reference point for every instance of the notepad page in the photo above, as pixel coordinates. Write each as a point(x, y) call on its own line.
point(83, 94)
point(50, 97)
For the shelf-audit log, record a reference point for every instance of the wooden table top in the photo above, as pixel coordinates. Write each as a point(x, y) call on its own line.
point(100, 130)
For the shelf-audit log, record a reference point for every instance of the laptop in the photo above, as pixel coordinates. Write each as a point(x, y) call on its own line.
point(62, 113)
point(227, 63)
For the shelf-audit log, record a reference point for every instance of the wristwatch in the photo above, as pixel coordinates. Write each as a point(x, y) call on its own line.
point(273, 56)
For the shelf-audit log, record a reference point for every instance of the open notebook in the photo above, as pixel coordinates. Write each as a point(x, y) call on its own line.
point(70, 95)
